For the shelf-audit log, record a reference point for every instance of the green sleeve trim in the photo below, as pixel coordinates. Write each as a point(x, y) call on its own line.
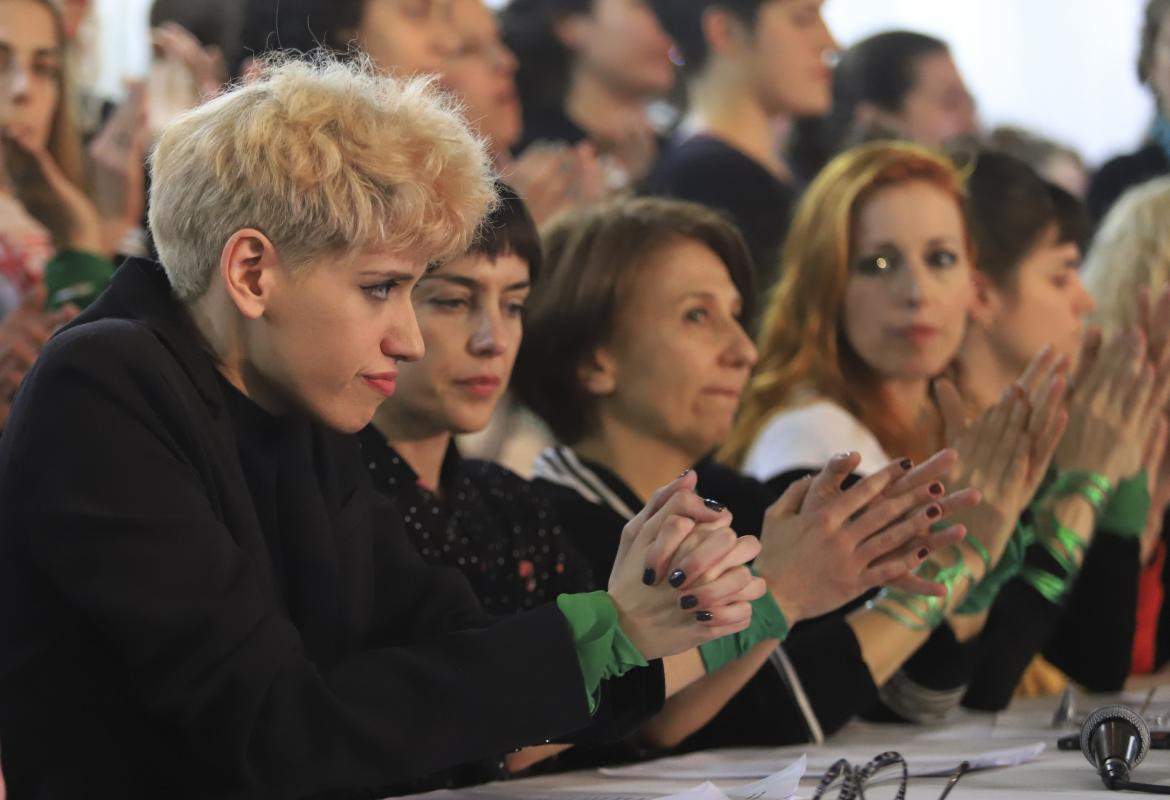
point(603, 650)
point(1125, 512)
point(77, 277)
point(768, 622)
point(983, 595)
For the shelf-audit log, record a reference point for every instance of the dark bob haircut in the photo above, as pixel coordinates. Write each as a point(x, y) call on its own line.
point(544, 62)
point(589, 259)
point(1010, 207)
point(509, 230)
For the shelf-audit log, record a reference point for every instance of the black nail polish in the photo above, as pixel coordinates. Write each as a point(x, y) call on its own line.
point(936, 489)
point(677, 578)
point(923, 553)
point(685, 473)
point(688, 602)
point(906, 464)
point(714, 505)
point(648, 577)
point(704, 616)
point(934, 512)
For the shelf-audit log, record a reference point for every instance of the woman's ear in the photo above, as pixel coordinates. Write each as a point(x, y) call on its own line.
point(722, 31)
point(986, 301)
point(248, 268)
point(572, 30)
point(597, 373)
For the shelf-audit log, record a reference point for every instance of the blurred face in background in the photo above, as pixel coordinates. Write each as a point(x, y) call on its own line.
point(1159, 66)
point(31, 61)
point(788, 64)
point(622, 44)
point(1044, 303)
point(910, 285)
point(939, 107)
point(407, 37)
point(480, 69)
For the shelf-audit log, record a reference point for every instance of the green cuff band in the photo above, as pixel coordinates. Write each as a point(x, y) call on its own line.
point(981, 598)
point(77, 277)
point(1125, 513)
point(603, 649)
point(768, 622)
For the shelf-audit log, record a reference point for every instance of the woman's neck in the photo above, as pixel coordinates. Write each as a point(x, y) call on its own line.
point(643, 463)
point(983, 374)
point(728, 111)
point(423, 447)
point(600, 110)
point(908, 402)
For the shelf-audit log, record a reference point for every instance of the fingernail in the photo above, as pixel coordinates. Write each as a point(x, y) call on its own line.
point(936, 489)
point(704, 616)
point(906, 464)
point(677, 578)
point(714, 505)
point(689, 602)
point(648, 577)
point(934, 512)
point(685, 473)
point(923, 553)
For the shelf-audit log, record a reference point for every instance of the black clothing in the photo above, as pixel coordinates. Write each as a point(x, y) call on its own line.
point(200, 600)
point(543, 124)
point(488, 523)
point(1122, 173)
point(812, 685)
point(708, 171)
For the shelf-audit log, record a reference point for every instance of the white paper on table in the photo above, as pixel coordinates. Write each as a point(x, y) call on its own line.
point(714, 765)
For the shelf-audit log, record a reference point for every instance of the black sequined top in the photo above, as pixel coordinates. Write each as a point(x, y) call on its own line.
point(487, 522)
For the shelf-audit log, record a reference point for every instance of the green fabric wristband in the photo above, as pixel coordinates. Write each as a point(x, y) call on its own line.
point(1125, 512)
point(768, 622)
point(983, 595)
point(77, 277)
point(603, 649)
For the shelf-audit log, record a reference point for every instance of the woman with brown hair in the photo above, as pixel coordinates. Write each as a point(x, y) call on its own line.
point(636, 355)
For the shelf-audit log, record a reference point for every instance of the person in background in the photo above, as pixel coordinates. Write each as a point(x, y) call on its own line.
point(1056, 163)
point(1029, 238)
point(893, 85)
point(481, 70)
point(1130, 255)
point(1153, 158)
point(587, 71)
point(750, 66)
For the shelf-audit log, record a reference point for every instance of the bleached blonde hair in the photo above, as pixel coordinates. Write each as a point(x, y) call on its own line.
point(1131, 250)
point(325, 157)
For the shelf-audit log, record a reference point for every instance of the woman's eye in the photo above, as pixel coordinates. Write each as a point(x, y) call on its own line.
point(381, 291)
point(878, 264)
point(515, 309)
point(941, 259)
point(47, 70)
point(449, 303)
point(697, 315)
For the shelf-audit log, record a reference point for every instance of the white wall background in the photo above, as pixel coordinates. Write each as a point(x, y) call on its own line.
point(1064, 68)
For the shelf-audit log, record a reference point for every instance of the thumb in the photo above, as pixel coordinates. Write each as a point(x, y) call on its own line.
point(950, 406)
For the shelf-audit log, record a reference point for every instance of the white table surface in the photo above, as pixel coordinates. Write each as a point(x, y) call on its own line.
point(1054, 772)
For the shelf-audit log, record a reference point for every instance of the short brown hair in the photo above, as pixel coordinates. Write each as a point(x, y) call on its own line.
point(589, 258)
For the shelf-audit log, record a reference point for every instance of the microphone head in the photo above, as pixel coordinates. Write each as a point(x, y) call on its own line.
point(1116, 714)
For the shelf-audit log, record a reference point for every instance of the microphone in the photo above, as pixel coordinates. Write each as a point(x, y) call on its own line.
point(1115, 739)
